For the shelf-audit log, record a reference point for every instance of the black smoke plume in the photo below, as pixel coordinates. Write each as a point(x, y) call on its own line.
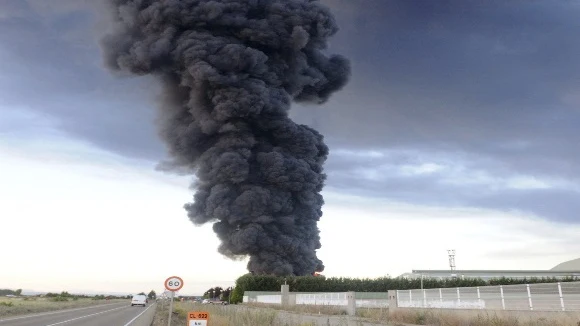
point(230, 70)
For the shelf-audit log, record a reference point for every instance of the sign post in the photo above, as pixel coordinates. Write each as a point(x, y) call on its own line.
point(172, 284)
point(197, 318)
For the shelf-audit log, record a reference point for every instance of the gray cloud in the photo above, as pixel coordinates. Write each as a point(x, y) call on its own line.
point(55, 68)
point(491, 84)
point(435, 180)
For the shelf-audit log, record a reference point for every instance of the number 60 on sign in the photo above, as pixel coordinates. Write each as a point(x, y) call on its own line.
point(197, 318)
point(173, 283)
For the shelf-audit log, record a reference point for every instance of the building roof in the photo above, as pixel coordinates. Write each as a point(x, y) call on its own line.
point(571, 265)
point(491, 271)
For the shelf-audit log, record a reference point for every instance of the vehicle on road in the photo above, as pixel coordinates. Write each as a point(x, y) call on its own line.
point(139, 300)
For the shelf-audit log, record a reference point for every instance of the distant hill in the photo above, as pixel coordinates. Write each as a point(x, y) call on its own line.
point(571, 265)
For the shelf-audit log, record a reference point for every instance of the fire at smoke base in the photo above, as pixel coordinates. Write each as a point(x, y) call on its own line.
point(229, 71)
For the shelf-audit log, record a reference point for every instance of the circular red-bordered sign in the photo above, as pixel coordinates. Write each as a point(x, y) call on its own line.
point(173, 283)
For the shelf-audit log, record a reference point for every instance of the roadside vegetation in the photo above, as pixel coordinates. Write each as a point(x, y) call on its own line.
point(465, 318)
point(302, 309)
point(18, 304)
point(229, 315)
point(435, 317)
point(219, 315)
point(275, 315)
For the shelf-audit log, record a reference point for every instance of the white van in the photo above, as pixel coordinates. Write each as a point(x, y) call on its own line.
point(139, 300)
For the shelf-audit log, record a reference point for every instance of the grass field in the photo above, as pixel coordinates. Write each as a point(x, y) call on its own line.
point(233, 315)
point(483, 318)
point(274, 315)
point(264, 314)
point(304, 309)
point(30, 305)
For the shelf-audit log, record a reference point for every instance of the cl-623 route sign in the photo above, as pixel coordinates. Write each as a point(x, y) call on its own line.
point(197, 318)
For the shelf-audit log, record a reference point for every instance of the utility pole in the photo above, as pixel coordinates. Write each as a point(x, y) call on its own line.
point(451, 254)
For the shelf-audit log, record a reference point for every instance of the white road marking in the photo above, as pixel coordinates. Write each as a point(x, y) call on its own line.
point(132, 320)
point(81, 317)
point(55, 312)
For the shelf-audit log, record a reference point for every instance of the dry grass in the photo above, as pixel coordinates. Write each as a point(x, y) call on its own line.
point(374, 315)
point(479, 318)
point(272, 315)
point(231, 315)
point(303, 309)
point(30, 305)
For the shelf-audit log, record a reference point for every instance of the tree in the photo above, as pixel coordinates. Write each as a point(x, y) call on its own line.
point(209, 294)
point(152, 295)
point(18, 292)
point(237, 295)
point(217, 292)
point(226, 294)
point(141, 293)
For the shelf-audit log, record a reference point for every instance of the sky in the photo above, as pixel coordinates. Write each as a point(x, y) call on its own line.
point(457, 130)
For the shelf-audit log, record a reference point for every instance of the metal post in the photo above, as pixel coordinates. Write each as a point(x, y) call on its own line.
point(410, 297)
point(561, 296)
point(170, 308)
point(458, 297)
point(529, 297)
point(424, 299)
point(479, 298)
point(440, 295)
point(502, 297)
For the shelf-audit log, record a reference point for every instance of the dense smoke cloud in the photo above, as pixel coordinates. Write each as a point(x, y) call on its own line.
point(230, 70)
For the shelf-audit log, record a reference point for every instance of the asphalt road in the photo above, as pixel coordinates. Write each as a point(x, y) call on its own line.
point(116, 314)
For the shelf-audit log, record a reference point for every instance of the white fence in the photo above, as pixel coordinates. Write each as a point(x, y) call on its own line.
point(362, 299)
point(270, 298)
point(322, 299)
point(563, 296)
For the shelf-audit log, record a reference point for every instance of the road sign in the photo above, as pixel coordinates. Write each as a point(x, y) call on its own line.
point(197, 318)
point(173, 283)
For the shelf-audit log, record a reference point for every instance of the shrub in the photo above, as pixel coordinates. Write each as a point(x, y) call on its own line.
point(58, 299)
point(237, 295)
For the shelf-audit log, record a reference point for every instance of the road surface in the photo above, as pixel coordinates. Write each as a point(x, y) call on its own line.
point(115, 314)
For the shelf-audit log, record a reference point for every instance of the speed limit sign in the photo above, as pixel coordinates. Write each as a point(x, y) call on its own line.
point(173, 283)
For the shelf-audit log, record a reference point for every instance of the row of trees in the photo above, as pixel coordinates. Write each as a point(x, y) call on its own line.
point(218, 293)
point(5, 292)
point(250, 282)
point(65, 296)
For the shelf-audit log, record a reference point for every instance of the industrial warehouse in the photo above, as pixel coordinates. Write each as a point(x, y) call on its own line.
point(566, 269)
